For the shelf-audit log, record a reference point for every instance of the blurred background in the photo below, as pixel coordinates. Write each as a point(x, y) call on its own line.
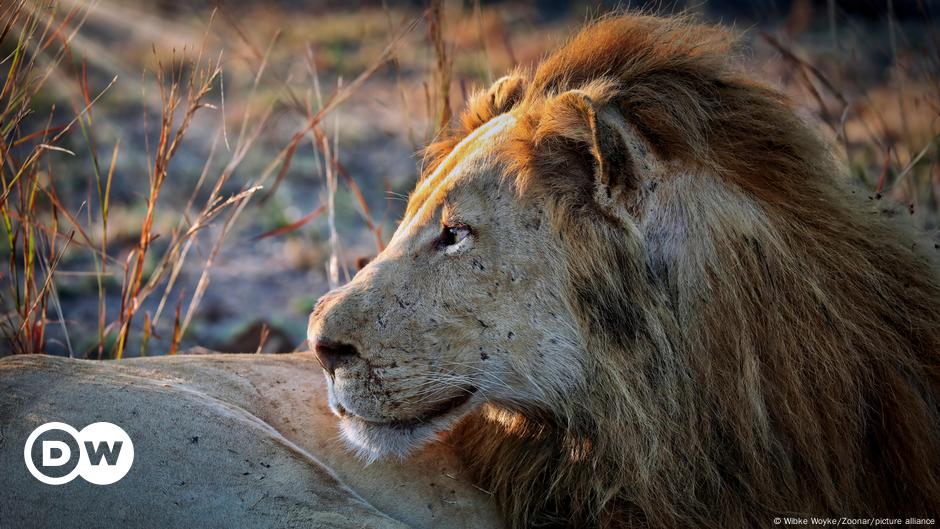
point(197, 173)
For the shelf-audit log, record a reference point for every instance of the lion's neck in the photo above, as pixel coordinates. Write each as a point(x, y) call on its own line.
point(570, 467)
point(532, 468)
point(551, 472)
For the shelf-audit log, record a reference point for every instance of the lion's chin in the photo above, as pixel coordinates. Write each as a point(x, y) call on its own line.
point(376, 440)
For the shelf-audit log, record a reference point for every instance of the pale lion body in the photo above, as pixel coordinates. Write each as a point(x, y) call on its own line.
point(220, 440)
point(636, 291)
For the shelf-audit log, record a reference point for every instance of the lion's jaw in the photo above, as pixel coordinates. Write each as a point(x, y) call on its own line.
point(373, 439)
point(434, 327)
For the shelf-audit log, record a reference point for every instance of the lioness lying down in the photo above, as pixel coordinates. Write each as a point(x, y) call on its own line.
point(224, 441)
point(631, 290)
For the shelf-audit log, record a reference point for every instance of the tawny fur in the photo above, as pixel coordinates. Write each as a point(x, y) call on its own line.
point(762, 343)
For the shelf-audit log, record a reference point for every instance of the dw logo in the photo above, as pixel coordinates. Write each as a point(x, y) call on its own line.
point(102, 453)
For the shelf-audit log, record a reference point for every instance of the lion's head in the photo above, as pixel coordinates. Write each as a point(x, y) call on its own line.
point(633, 287)
point(462, 308)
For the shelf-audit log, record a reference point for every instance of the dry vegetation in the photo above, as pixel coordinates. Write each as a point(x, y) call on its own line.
point(182, 177)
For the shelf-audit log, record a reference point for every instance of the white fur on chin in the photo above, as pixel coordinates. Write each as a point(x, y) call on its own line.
point(372, 442)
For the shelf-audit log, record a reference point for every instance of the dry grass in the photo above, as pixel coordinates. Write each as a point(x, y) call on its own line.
point(132, 174)
point(40, 226)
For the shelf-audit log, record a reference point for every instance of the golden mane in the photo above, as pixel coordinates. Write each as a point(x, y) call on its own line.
point(676, 82)
point(778, 355)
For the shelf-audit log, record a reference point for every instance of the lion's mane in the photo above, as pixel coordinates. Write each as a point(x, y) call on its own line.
point(776, 356)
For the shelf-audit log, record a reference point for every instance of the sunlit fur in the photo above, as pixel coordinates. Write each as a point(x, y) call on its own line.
point(751, 338)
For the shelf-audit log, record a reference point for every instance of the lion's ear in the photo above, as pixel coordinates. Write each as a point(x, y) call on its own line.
point(505, 93)
point(500, 98)
point(600, 137)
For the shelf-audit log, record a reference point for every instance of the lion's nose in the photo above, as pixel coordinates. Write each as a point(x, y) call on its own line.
point(333, 354)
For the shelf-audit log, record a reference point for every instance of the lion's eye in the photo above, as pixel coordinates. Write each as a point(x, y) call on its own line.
point(451, 235)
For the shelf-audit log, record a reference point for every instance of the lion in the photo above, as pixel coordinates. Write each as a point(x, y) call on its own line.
point(633, 289)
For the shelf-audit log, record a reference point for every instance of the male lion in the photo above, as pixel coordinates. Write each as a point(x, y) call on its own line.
point(636, 293)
